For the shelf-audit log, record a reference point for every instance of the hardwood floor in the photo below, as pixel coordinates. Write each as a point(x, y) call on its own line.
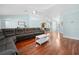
point(57, 45)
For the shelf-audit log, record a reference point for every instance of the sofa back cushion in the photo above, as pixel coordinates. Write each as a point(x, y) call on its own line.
point(37, 30)
point(1, 35)
point(19, 31)
point(9, 32)
point(32, 30)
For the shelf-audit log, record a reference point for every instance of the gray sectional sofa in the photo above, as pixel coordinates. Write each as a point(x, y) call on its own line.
point(22, 33)
point(9, 37)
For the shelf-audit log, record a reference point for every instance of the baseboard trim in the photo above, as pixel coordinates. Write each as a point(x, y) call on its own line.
point(75, 38)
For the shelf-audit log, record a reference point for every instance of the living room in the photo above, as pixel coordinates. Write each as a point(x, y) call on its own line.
point(39, 29)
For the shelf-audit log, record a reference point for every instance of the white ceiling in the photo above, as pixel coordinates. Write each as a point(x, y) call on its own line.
point(47, 10)
point(20, 9)
point(61, 9)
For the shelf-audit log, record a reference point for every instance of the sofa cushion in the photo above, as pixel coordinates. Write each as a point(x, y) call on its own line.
point(24, 36)
point(8, 47)
point(1, 35)
point(19, 31)
point(8, 52)
point(6, 40)
point(9, 32)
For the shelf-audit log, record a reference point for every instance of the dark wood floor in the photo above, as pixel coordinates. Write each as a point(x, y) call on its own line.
point(57, 45)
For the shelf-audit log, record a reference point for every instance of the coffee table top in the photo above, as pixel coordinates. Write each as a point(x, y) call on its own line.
point(42, 35)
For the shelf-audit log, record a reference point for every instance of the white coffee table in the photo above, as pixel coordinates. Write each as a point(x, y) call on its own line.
point(40, 39)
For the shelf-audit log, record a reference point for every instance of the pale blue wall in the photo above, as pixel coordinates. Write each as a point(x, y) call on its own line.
point(71, 25)
point(12, 21)
point(34, 21)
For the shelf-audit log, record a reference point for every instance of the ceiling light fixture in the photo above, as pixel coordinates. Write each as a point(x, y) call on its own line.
point(33, 12)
